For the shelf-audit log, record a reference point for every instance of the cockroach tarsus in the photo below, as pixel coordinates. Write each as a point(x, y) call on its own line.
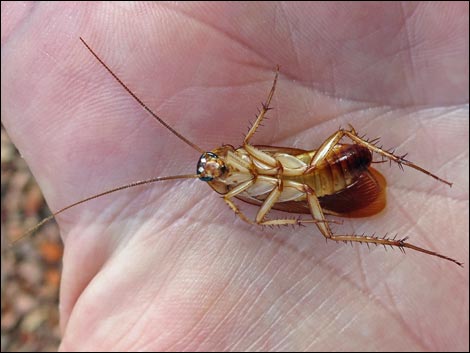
point(335, 179)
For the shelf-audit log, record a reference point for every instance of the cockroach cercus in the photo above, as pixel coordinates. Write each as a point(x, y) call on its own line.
point(335, 179)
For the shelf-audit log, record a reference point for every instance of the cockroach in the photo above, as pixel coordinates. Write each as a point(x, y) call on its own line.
point(335, 179)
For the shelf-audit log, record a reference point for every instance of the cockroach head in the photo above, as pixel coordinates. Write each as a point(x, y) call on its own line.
point(210, 167)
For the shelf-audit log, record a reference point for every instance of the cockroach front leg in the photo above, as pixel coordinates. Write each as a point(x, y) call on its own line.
point(264, 109)
point(334, 139)
point(317, 213)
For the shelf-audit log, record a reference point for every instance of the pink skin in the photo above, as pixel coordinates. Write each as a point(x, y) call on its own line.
point(168, 266)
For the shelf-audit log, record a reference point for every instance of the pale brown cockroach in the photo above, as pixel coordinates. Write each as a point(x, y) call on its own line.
point(335, 179)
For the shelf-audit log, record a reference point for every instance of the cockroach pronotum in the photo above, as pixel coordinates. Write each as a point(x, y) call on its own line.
point(335, 179)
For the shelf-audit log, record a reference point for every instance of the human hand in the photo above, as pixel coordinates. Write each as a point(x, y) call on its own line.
point(169, 267)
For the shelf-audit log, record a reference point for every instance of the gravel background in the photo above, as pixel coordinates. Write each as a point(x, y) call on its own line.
point(31, 268)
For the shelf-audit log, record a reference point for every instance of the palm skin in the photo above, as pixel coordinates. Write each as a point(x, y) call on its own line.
point(168, 266)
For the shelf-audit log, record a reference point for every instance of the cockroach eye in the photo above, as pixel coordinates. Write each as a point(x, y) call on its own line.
point(210, 166)
point(335, 178)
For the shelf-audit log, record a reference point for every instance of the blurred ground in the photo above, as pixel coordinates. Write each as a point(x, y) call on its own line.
point(31, 268)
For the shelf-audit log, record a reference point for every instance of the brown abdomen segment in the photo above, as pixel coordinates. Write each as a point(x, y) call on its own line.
point(340, 169)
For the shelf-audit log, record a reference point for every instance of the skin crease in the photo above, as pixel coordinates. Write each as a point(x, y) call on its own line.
point(168, 266)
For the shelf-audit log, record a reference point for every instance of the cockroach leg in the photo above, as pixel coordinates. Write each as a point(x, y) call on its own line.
point(398, 243)
point(334, 139)
point(237, 210)
point(317, 213)
point(352, 130)
point(267, 205)
point(262, 156)
point(324, 150)
point(273, 222)
point(264, 109)
point(289, 177)
point(269, 202)
point(391, 156)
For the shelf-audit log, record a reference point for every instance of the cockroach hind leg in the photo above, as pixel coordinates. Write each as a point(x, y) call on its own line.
point(352, 130)
point(400, 160)
point(392, 242)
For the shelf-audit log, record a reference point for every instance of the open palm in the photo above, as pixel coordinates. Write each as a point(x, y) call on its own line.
point(169, 266)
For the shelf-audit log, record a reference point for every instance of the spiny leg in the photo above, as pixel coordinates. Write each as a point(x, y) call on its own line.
point(271, 222)
point(237, 211)
point(398, 159)
point(265, 207)
point(392, 242)
point(317, 213)
point(264, 109)
point(334, 139)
